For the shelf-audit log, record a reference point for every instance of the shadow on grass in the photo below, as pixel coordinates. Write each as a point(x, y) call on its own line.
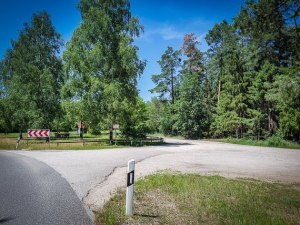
point(144, 215)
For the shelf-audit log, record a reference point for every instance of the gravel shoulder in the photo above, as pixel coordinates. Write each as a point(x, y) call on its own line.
point(96, 175)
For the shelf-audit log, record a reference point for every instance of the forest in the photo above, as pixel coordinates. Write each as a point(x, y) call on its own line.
point(246, 85)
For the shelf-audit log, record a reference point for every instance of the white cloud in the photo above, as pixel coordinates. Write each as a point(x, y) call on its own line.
point(168, 33)
point(202, 36)
point(158, 31)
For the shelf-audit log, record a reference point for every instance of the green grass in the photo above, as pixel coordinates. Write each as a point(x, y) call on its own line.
point(274, 141)
point(270, 142)
point(166, 198)
point(8, 142)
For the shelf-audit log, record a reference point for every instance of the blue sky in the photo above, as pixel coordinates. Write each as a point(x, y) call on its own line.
point(165, 22)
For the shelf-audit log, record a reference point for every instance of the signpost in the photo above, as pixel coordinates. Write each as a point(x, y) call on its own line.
point(116, 127)
point(38, 133)
point(129, 190)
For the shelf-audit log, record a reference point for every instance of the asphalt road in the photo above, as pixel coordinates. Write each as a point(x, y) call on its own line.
point(94, 175)
point(31, 192)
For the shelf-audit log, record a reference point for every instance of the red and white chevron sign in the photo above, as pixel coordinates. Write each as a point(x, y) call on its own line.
point(38, 133)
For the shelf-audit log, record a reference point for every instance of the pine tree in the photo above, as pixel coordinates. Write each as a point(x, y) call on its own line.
point(189, 106)
point(284, 92)
point(167, 81)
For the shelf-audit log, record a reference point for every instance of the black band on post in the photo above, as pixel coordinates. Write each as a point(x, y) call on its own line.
point(130, 178)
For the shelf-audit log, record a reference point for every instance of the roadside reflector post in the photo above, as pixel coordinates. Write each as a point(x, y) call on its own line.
point(129, 190)
point(18, 142)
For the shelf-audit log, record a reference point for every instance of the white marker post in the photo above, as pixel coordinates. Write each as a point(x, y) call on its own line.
point(129, 190)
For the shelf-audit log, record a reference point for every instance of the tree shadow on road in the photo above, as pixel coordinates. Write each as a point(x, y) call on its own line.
point(5, 219)
point(176, 144)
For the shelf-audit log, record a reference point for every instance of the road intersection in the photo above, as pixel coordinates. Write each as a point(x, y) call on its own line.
point(94, 175)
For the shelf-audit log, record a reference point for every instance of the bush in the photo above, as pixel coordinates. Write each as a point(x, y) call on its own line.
point(138, 131)
point(276, 141)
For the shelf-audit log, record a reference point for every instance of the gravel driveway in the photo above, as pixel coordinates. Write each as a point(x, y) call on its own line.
point(95, 175)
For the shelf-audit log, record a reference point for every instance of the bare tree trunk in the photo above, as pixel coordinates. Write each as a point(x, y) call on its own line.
point(219, 91)
point(20, 135)
point(220, 80)
point(172, 96)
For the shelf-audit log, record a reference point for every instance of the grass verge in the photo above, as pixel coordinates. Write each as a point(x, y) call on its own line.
point(274, 141)
point(270, 142)
point(8, 142)
point(166, 198)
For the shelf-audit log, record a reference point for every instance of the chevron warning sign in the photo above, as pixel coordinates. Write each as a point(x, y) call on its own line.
point(38, 133)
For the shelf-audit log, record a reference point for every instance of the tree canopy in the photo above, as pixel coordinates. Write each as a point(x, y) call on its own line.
point(31, 74)
point(102, 63)
point(246, 84)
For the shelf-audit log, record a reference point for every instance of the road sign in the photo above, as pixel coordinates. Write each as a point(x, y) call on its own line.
point(116, 126)
point(38, 133)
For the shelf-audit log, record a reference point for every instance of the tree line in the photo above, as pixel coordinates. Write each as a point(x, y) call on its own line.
point(247, 84)
point(93, 81)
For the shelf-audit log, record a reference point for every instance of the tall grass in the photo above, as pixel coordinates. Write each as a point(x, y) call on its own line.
point(195, 199)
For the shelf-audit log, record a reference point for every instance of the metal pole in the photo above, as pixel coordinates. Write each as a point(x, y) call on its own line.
point(27, 138)
point(129, 190)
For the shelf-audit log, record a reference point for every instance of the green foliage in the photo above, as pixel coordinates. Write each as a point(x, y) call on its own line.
point(285, 94)
point(189, 105)
point(167, 80)
point(134, 124)
point(246, 85)
point(276, 140)
point(167, 84)
point(31, 73)
point(102, 63)
point(5, 116)
point(160, 117)
point(257, 71)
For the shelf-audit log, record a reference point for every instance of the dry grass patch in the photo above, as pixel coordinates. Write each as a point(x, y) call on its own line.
point(155, 207)
point(8, 143)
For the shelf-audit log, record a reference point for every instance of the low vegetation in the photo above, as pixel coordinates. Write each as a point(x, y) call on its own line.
point(9, 141)
point(73, 142)
point(167, 198)
point(273, 141)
